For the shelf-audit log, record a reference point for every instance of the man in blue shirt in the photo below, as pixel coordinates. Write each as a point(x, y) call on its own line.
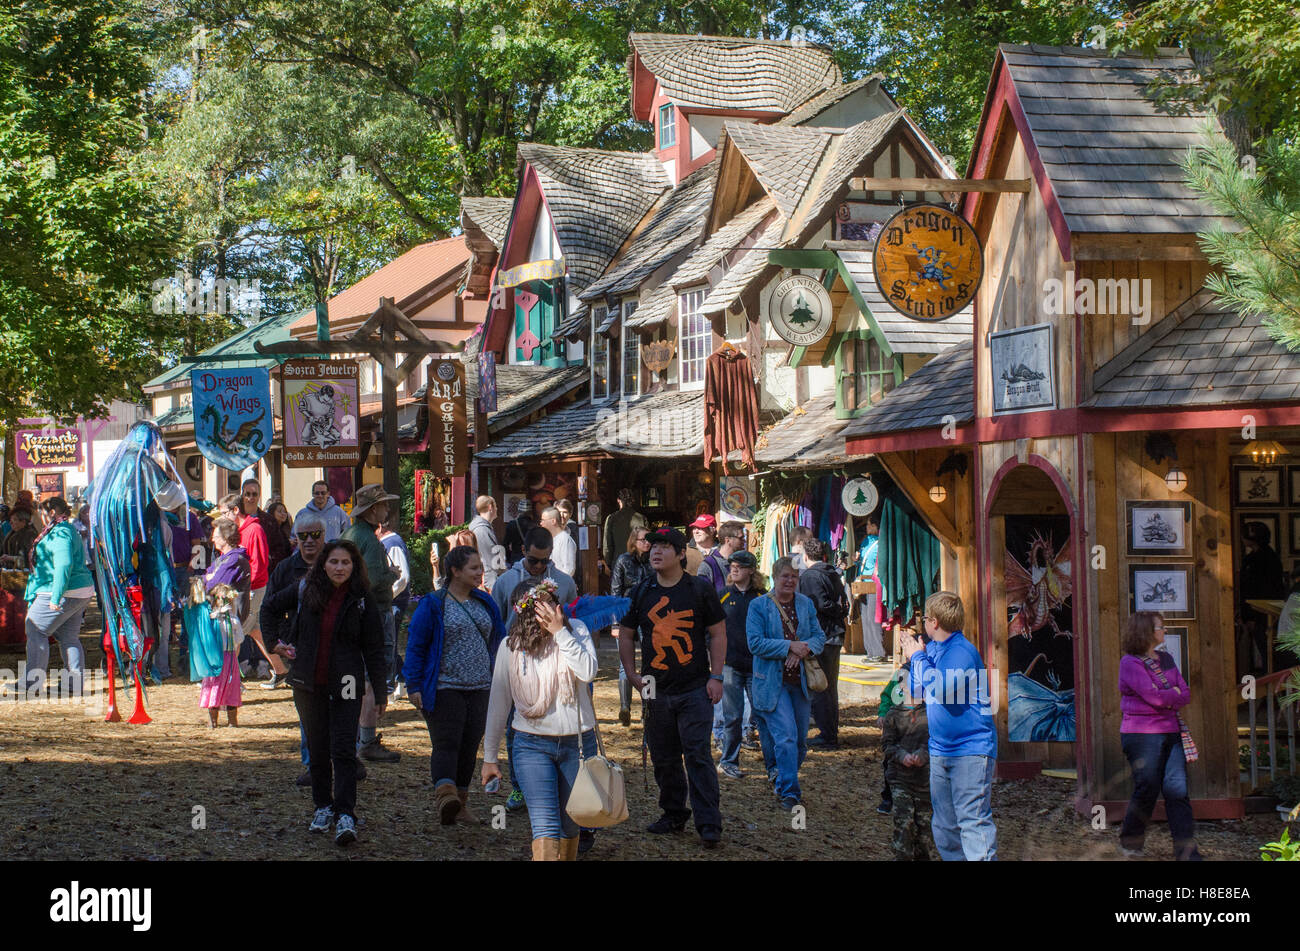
point(950, 675)
point(873, 641)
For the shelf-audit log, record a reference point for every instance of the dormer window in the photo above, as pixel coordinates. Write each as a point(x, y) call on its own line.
point(667, 126)
point(599, 356)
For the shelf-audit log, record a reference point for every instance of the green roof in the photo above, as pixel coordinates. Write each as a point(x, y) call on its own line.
point(271, 330)
point(180, 416)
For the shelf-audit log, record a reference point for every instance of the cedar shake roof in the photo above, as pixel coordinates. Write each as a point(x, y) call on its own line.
point(783, 158)
point(576, 326)
point(489, 217)
point(721, 243)
point(1111, 152)
point(943, 387)
point(674, 226)
point(904, 334)
point(1201, 354)
point(654, 307)
point(819, 103)
point(745, 271)
point(724, 72)
point(660, 424)
point(596, 199)
point(809, 437)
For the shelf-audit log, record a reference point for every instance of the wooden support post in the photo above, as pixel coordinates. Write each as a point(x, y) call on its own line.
point(388, 361)
point(590, 570)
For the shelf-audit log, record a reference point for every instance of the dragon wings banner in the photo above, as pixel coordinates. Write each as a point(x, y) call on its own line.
point(232, 415)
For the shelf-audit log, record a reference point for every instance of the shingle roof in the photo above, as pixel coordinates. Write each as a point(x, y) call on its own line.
point(491, 216)
point(654, 307)
point(783, 158)
point(577, 326)
point(848, 149)
point(819, 103)
point(596, 198)
point(661, 424)
point(809, 437)
point(904, 334)
point(722, 72)
point(737, 280)
point(943, 387)
point(271, 330)
point(1201, 354)
point(1111, 151)
point(675, 225)
point(721, 243)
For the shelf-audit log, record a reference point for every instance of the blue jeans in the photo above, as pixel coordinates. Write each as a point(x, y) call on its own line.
point(1159, 766)
point(43, 622)
point(547, 767)
point(961, 792)
point(787, 727)
point(737, 697)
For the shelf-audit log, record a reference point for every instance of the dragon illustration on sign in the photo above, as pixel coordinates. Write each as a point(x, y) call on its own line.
point(247, 437)
point(1036, 591)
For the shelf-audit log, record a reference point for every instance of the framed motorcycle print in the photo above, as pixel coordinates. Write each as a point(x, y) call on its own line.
point(1166, 589)
point(1159, 528)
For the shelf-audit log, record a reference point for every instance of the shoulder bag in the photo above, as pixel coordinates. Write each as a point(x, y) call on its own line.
point(812, 668)
point(598, 798)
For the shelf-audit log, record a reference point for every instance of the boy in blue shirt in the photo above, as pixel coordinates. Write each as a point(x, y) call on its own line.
point(949, 674)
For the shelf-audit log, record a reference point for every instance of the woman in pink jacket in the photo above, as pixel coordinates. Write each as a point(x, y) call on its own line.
point(1154, 737)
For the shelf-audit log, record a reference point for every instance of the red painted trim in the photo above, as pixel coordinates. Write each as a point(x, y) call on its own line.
point(523, 219)
point(912, 439)
point(643, 87)
point(1201, 808)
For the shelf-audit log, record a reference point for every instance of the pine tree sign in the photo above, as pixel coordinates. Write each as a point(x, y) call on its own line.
point(860, 497)
point(799, 309)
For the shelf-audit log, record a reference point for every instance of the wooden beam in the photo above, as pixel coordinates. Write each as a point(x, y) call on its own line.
point(306, 348)
point(940, 184)
point(919, 496)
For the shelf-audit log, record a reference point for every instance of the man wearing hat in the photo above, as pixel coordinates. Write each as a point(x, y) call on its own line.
point(744, 585)
point(683, 644)
point(704, 538)
point(369, 511)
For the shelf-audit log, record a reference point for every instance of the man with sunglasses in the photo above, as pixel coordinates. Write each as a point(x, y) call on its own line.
point(323, 506)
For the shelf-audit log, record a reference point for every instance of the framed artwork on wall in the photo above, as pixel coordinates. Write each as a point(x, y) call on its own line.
point(1168, 589)
point(1293, 485)
point(1254, 486)
point(1159, 528)
point(1176, 644)
point(1272, 523)
point(1295, 534)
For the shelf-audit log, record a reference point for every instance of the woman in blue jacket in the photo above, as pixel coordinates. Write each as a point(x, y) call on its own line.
point(451, 651)
point(782, 630)
point(58, 592)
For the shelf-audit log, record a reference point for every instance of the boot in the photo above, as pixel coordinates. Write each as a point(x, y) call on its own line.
point(546, 850)
point(465, 816)
point(446, 802)
point(1185, 850)
point(569, 849)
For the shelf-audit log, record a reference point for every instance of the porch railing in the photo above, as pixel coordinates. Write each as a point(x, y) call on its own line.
point(1278, 697)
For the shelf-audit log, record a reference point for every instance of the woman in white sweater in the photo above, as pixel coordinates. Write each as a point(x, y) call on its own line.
point(542, 668)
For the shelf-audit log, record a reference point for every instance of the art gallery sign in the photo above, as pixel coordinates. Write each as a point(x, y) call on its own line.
point(448, 423)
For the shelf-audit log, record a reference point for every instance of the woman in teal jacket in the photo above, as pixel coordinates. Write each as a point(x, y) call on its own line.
point(58, 591)
point(782, 630)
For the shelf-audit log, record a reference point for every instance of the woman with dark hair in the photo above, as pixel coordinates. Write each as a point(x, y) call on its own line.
point(631, 567)
point(336, 646)
point(1154, 737)
point(451, 651)
point(58, 591)
point(281, 522)
point(540, 672)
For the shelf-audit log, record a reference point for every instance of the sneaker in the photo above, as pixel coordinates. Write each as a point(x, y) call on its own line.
point(752, 744)
point(788, 803)
point(730, 770)
point(625, 716)
point(515, 801)
point(586, 840)
point(345, 832)
point(1130, 853)
point(376, 752)
point(304, 779)
point(885, 808)
point(820, 742)
point(710, 836)
point(666, 824)
point(320, 822)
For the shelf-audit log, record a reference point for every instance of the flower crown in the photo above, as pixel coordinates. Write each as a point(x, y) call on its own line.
point(546, 585)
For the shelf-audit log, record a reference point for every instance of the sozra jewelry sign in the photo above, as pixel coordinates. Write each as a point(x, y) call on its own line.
point(928, 262)
point(800, 310)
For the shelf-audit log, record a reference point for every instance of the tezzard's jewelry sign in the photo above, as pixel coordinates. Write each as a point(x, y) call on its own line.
point(38, 449)
point(320, 399)
point(448, 426)
point(928, 262)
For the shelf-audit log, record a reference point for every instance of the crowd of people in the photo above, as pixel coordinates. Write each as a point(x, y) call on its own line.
point(494, 653)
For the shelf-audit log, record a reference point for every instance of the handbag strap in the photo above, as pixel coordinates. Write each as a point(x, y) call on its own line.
point(595, 722)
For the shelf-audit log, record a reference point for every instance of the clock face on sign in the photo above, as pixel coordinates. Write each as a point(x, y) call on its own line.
point(928, 262)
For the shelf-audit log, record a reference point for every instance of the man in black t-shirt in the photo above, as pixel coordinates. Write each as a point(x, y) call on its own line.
point(683, 644)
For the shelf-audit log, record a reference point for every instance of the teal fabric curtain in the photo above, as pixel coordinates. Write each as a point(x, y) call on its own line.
point(908, 563)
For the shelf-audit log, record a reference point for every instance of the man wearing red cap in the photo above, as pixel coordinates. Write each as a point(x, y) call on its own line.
point(704, 538)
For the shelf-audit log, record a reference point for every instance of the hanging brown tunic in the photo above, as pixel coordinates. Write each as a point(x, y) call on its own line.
point(730, 407)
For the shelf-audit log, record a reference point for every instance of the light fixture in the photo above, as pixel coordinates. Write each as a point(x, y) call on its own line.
point(938, 493)
point(1264, 452)
point(955, 462)
point(1175, 479)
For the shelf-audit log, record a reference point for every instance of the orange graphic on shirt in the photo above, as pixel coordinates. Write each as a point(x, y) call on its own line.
point(668, 630)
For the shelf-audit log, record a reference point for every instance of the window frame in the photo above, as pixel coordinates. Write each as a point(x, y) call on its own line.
point(890, 370)
point(629, 335)
point(706, 338)
point(598, 355)
point(667, 122)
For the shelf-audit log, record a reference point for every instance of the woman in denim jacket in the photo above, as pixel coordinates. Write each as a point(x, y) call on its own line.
point(782, 630)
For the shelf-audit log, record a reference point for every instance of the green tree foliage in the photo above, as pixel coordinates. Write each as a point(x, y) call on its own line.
point(82, 232)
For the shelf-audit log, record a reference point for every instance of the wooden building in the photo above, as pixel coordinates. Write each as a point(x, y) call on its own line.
point(1105, 403)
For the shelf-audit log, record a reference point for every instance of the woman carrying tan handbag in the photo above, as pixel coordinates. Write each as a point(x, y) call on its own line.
point(543, 668)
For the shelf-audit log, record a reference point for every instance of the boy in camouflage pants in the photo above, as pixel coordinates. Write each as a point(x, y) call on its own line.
point(906, 739)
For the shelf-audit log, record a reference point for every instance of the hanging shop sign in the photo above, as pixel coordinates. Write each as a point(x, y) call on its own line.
point(320, 399)
point(799, 308)
point(737, 496)
point(448, 427)
point(487, 382)
point(232, 415)
point(928, 262)
point(39, 449)
point(1023, 370)
point(658, 355)
point(547, 270)
point(48, 485)
point(859, 497)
